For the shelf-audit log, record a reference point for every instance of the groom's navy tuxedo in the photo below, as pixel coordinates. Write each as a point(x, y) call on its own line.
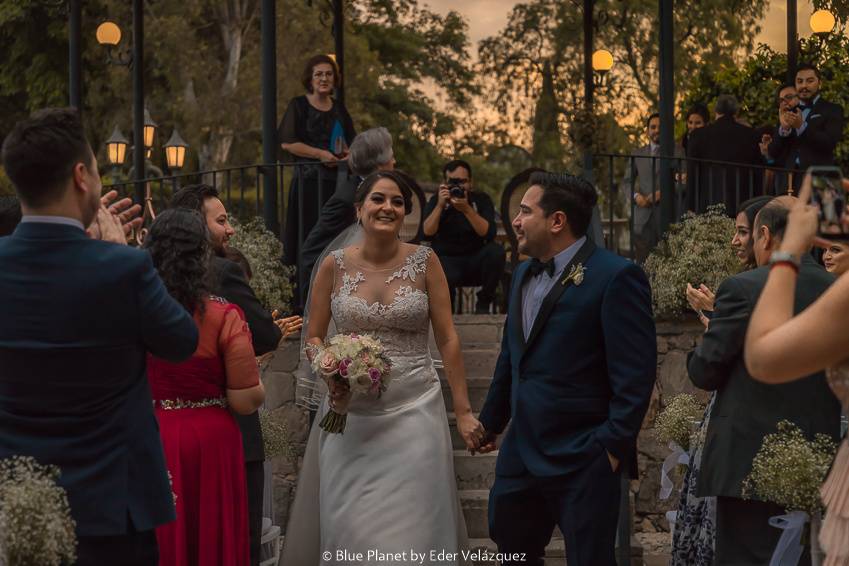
point(577, 388)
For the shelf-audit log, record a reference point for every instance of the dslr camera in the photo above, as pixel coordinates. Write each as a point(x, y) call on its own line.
point(455, 188)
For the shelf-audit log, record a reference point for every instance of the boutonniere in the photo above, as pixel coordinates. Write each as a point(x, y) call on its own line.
point(575, 275)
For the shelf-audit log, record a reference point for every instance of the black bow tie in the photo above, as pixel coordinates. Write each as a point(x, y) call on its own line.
point(538, 267)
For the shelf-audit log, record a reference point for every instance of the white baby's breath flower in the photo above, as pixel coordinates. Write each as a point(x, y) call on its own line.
point(674, 423)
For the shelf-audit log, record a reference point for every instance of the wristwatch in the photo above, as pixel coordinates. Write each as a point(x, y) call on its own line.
point(784, 257)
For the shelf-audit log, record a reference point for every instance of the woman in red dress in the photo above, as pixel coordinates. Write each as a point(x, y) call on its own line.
point(200, 438)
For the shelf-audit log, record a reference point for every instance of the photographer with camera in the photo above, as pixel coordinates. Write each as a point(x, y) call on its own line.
point(460, 223)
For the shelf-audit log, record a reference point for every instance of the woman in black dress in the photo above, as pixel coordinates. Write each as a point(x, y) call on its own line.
point(317, 129)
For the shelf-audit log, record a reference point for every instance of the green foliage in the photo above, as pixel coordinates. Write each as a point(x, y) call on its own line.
point(271, 280)
point(789, 469)
point(756, 80)
point(696, 250)
point(675, 422)
point(543, 33)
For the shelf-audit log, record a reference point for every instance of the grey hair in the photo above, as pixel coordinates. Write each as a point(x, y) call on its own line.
point(727, 105)
point(370, 150)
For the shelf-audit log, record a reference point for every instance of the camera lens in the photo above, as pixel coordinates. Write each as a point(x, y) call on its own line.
point(457, 192)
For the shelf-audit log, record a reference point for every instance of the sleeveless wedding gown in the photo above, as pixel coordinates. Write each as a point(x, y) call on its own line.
point(834, 534)
point(386, 486)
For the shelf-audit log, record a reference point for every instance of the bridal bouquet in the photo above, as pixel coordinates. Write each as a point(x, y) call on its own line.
point(675, 422)
point(357, 360)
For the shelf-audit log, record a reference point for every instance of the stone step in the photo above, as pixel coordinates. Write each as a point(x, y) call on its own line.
point(475, 504)
point(474, 472)
point(478, 361)
point(555, 552)
point(478, 388)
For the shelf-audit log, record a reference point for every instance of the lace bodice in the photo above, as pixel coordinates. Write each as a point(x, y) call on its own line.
point(391, 304)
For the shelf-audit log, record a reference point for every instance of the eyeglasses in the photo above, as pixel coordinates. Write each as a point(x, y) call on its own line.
point(322, 75)
point(789, 97)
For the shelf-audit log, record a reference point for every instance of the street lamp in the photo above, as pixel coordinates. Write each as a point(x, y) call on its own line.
point(116, 147)
point(175, 151)
point(149, 129)
point(602, 62)
point(109, 35)
point(822, 22)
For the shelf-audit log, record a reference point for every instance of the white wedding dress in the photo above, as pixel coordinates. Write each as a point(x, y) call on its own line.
point(386, 485)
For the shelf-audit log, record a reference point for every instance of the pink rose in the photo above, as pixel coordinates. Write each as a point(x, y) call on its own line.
point(343, 370)
point(328, 365)
point(345, 363)
point(374, 375)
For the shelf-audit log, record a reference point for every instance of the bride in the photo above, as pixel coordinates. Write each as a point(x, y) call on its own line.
point(386, 486)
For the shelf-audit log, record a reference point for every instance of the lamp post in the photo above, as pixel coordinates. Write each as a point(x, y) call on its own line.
point(792, 41)
point(149, 130)
point(75, 53)
point(602, 63)
point(116, 148)
point(588, 80)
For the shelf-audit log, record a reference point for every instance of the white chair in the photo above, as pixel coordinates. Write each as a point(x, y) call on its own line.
point(269, 554)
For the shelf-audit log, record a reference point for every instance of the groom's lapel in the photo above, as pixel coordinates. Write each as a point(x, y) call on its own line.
point(517, 315)
point(559, 288)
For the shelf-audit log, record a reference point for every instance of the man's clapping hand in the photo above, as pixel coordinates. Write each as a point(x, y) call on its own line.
point(115, 220)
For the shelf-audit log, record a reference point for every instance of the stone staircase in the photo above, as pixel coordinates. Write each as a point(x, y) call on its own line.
point(480, 337)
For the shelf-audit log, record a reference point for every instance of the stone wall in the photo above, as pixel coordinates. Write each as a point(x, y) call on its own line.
point(278, 376)
point(674, 342)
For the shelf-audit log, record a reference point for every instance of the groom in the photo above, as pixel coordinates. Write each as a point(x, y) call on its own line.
point(575, 374)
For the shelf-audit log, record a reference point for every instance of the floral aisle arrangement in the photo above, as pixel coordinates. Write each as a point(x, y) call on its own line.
point(674, 427)
point(695, 250)
point(356, 361)
point(271, 281)
point(35, 519)
point(788, 470)
point(276, 439)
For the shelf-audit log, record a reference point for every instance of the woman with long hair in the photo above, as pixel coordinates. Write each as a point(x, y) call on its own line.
point(781, 347)
point(388, 482)
point(200, 437)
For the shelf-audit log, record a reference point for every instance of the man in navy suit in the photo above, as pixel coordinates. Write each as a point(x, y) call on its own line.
point(79, 317)
point(575, 375)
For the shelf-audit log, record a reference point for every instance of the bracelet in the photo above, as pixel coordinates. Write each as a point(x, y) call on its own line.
point(787, 263)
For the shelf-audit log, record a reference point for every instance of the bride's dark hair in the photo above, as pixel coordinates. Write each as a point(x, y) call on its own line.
point(404, 182)
point(179, 245)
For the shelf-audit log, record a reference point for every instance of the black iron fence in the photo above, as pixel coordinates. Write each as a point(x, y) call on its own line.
point(302, 190)
point(634, 185)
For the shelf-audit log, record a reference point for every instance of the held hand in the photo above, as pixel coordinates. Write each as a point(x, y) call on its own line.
point(340, 394)
point(802, 222)
point(471, 431)
point(443, 196)
point(766, 139)
point(656, 197)
point(641, 200)
point(488, 443)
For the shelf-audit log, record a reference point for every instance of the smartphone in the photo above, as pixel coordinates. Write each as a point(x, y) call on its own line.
point(830, 198)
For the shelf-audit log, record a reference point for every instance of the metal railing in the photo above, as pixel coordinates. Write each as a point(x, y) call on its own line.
point(241, 191)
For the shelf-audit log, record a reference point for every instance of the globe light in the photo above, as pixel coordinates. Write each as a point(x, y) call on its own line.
point(602, 60)
point(108, 33)
point(822, 22)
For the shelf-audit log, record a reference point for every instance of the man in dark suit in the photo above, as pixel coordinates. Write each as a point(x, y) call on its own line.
point(227, 280)
point(370, 151)
point(808, 132)
point(642, 183)
point(79, 317)
point(725, 140)
point(746, 410)
point(575, 375)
